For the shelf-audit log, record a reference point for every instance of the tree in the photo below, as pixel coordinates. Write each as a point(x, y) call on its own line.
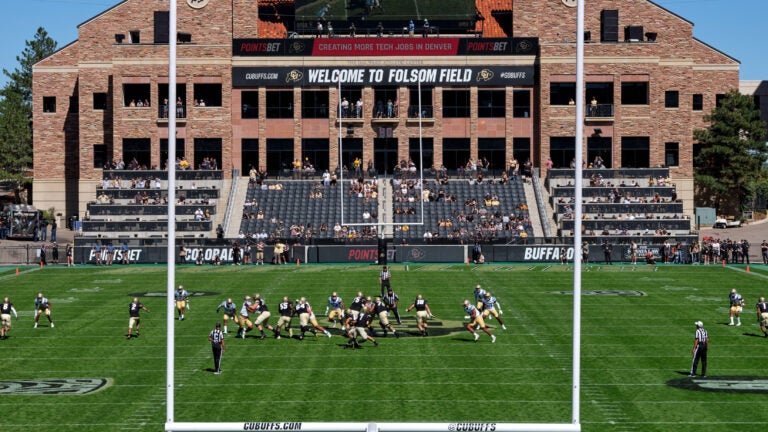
point(732, 152)
point(40, 47)
point(15, 135)
point(16, 108)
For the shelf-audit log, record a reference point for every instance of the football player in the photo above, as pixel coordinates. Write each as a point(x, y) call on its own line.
point(737, 304)
point(42, 306)
point(230, 312)
point(476, 320)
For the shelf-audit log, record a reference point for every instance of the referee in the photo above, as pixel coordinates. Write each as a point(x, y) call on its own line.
point(217, 344)
point(700, 345)
point(384, 277)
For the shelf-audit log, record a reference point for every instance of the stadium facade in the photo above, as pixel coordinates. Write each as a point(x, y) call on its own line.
point(259, 87)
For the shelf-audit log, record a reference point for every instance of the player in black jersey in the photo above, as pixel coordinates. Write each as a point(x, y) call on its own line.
point(762, 315)
point(6, 309)
point(379, 308)
point(133, 311)
point(358, 328)
point(423, 313)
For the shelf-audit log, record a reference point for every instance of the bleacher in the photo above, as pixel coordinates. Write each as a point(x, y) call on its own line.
point(307, 211)
point(132, 204)
point(463, 211)
point(621, 204)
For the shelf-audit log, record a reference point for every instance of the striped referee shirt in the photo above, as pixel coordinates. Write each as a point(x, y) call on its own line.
point(701, 337)
point(216, 337)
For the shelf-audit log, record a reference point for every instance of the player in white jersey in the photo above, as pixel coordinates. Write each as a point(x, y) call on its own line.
point(182, 298)
point(736, 303)
point(42, 306)
point(335, 309)
point(476, 320)
point(479, 294)
point(491, 306)
point(230, 312)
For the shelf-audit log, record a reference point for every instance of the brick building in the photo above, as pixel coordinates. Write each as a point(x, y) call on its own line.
point(259, 89)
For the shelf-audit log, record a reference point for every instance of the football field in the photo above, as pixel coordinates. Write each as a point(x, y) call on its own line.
point(637, 335)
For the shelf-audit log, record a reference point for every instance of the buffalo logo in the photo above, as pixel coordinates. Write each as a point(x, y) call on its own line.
point(297, 47)
point(417, 254)
point(294, 76)
point(485, 75)
point(39, 387)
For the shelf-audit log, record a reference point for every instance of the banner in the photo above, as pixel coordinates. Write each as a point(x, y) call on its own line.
point(391, 75)
point(390, 46)
point(367, 253)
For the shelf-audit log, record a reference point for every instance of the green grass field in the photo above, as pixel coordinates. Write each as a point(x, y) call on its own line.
point(634, 348)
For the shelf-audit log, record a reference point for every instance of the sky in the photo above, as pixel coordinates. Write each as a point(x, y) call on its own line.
point(735, 27)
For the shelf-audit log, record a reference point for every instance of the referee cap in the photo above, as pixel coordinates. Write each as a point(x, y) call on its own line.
point(699, 324)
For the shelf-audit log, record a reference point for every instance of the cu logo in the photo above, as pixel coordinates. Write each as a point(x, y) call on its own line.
point(294, 76)
point(485, 75)
point(417, 254)
point(296, 47)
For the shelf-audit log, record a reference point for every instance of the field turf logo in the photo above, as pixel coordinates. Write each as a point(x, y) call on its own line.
point(724, 384)
point(46, 387)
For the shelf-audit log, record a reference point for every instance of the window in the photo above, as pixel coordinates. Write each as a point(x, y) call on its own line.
point(521, 149)
point(671, 154)
point(386, 102)
point(492, 149)
point(180, 151)
point(279, 104)
point(426, 102)
point(385, 155)
point(719, 99)
point(317, 151)
point(635, 152)
point(139, 149)
point(49, 104)
point(162, 19)
point(697, 102)
point(599, 99)
point(456, 104)
point(562, 93)
point(181, 101)
point(250, 105)
point(74, 104)
point(99, 155)
point(455, 152)
point(250, 155)
point(99, 101)
point(314, 104)
point(136, 95)
point(599, 147)
point(427, 153)
point(207, 149)
point(279, 155)
point(671, 99)
point(634, 93)
point(521, 103)
point(350, 149)
point(562, 150)
point(207, 95)
point(135, 36)
point(353, 95)
point(491, 103)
